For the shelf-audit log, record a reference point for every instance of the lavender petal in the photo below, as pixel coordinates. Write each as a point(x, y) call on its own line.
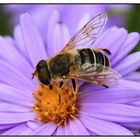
point(54, 19)
point(124, 93)
point(60, 131)
point(4, 130)
point(80, 10)
point(10, 40)
point(61, 36)
point(21, 129)
point(75, 125)
point(10, 107)
point(68, 130)
point(64, 130)
point(134, 125)
point(34, 124)
point(84, 20)
point(111, 112)
point(127, 92)
point(20, 42)
point(46, 129)
point(129, 64)
point(135, 103)
point(12, 76)
point(101, 127)
point(117, 42)
point(130, 43)
point(134, 76)
point(14, 95)
point(8, 118)
point(17, 60)
point(109, 40)
point(7, 126)
point(32, 39)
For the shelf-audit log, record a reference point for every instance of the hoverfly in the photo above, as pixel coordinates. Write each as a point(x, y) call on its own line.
point(85, 64)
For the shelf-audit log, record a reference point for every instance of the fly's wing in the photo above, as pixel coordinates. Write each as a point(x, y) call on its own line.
point(102, 75)
point(88, 33)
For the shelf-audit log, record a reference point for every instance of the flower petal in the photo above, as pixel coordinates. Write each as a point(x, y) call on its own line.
point(60, 131)
point(109, 40)
point(8, 118)
point(78, 11)
point(115, 45)
point(20, 42)
point(6, 126)
point(2, 131)
point(54, 19)
point(134, 125)
point(21, 129)
point(132, 40)
point(38, 11)
point(124, 93)
point(75, 125)
point(129, 64)
point(12, 76)
point(8, 107)
point(103, 37)
point(101, 127)
point(46, 129)
point(68, 131)
point(112, 112)
point(134, 76)
point(84, 20)
point(61, 36)
point(136, 103)
point(7, 51)
point(64, 130)
point(32, 39)
point(10, 40)
point(16, 96)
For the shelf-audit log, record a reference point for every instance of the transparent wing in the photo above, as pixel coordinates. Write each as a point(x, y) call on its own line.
point(88, 33)
point(102, 75)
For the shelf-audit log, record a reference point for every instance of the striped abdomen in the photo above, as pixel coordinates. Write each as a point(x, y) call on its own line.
point(90, 56)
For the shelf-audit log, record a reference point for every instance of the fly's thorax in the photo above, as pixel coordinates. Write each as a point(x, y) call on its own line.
point(59, 66)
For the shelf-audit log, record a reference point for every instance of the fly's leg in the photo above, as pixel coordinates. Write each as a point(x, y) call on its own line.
point(74, 87)
point(59, 91)
point(104, 85)
point(59, 94)
point(50, 86)
point(101, 84)
point(103, 49)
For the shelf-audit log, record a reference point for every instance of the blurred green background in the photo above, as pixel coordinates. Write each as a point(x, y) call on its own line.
point(132, 21)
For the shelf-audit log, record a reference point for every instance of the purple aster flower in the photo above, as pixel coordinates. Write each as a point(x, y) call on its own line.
point(97, 110)
point(67, 12)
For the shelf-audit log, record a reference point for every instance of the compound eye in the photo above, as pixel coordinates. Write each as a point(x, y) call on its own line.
point(44, 75)
point(41, 64)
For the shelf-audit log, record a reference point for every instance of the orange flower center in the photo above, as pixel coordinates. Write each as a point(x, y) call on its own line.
point(49, 106)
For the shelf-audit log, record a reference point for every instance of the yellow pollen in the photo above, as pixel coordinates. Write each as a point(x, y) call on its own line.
point(48, 107)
